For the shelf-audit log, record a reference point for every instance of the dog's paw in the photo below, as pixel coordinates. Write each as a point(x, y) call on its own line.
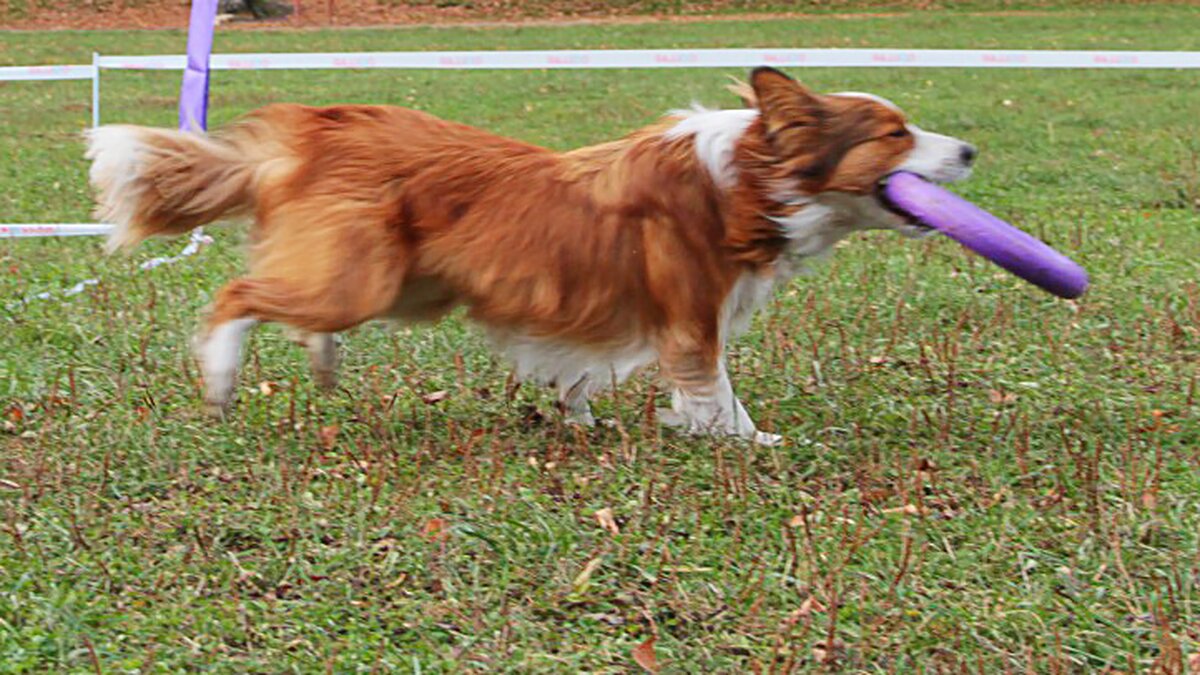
point(216, 409)
point(326, 380)
point(767, 440)
point(669, 418)
point(584, 420)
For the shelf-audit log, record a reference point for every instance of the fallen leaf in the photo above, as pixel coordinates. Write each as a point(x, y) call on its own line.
point(811, 606)
point(328, 436)
point(644, 655)
point(436, 397)
point(907, 510)
point(806, 609)
point(266, 388)
point(1000, 397)
point(827, 653)
point(435, 529)
point(1149, 499)
point(605, 518)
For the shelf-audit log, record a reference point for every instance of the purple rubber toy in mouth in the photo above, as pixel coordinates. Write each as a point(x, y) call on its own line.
point(985, 234)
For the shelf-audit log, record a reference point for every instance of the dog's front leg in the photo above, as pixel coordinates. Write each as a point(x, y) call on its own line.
point(573, 399)
point(703, 401)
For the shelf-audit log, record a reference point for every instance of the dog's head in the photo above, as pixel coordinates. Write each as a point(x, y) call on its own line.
point(842, 146)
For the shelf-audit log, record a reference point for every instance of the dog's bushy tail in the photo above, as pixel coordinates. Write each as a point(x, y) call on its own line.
point(151, 181)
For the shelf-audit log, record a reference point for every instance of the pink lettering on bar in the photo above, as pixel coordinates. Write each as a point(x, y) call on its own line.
point(1114, 58)
point(354, 61)
point(784, 57)
point(1005, 58)
point(567, 59)
point(460, 60)
point(685, 57)
point(889, 57)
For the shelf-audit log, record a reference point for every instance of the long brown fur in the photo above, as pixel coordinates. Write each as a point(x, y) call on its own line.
point(364, 212)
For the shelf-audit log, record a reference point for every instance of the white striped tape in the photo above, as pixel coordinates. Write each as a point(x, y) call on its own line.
point(634, 58)
point(26, 230)
point(675, 58)
point(13, 73)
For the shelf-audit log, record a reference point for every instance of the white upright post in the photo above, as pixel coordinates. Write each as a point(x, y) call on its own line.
point(95, 90)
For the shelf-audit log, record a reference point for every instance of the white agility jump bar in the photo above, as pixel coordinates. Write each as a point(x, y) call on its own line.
point(27, 230)
point(17, 73)
point(629, 58)
point(672, 58)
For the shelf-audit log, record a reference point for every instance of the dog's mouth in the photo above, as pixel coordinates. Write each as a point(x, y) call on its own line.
point(907, 225)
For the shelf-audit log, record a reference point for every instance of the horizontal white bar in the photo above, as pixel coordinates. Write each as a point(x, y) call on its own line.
point(675, 58)
point(26, 230)
point(47, 72)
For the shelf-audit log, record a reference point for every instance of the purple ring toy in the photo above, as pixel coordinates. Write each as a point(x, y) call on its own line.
point(985, 234)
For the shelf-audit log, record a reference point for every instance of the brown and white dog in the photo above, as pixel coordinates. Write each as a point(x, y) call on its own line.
point(582, 266)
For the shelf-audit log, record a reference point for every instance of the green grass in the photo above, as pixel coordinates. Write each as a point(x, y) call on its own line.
point(977, 477)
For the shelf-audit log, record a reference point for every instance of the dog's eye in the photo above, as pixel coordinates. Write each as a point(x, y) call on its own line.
point(899, 133)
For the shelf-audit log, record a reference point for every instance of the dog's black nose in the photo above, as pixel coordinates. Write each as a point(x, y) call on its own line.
point(968, 153)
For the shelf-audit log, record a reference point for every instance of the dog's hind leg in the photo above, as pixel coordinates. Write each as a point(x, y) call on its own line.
point(317, 266)
point(219, 350)
point(317, 311)
point(322, 355)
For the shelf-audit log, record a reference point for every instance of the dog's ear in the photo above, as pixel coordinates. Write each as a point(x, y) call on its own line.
point(743, 91)
point(783, 101)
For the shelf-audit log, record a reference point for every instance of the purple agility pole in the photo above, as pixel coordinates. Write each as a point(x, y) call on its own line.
point(193, 94)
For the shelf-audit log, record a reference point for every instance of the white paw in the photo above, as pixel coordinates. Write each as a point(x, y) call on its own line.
point(583, 419)
point(670, 418)
point(767, 440)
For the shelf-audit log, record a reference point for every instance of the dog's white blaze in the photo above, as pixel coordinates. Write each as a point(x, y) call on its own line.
point(715, 133)
point(936, 156)
point(220, 354)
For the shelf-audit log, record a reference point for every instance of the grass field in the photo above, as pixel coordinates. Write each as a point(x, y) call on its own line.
point(976, 477)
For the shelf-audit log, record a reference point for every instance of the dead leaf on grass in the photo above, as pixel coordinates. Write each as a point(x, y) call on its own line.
point(435, 529)
point(605, 518)
point(435, 397)
point(328, 436)
point(998, 397)
point(644, 655)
